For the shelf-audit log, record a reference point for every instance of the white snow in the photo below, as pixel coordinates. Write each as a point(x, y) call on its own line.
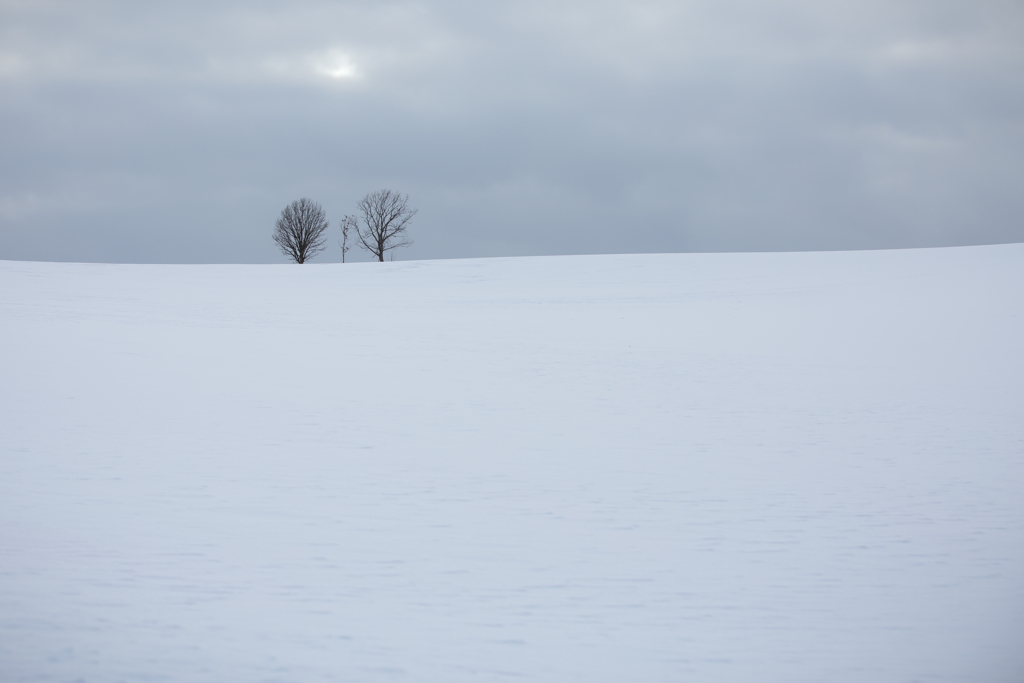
point(646, 468)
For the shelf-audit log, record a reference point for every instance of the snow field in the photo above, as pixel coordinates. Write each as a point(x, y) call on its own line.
point(706, 467)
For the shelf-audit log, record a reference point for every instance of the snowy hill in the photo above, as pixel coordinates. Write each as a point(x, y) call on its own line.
point(687, 467)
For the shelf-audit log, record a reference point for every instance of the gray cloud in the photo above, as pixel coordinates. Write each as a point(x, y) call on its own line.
point(177, 133)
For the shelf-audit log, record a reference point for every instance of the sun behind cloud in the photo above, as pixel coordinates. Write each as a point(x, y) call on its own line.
point(335, 64)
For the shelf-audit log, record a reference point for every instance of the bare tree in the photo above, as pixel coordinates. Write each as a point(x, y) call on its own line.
point(300, 230)
point(347, 223)
point(385, 217)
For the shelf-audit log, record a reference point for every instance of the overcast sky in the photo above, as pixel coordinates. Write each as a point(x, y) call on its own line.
point(176, 132)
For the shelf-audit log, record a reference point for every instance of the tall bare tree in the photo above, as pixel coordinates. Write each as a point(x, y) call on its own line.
point(300, 230)
point(346, 225)
point(385, 217)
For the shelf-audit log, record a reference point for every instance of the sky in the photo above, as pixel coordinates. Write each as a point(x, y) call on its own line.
point(177, 132)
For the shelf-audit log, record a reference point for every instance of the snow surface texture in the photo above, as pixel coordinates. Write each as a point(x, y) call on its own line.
point(686, 467)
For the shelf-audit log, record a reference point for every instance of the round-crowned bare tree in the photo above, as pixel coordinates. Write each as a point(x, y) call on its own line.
point(300, 230)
